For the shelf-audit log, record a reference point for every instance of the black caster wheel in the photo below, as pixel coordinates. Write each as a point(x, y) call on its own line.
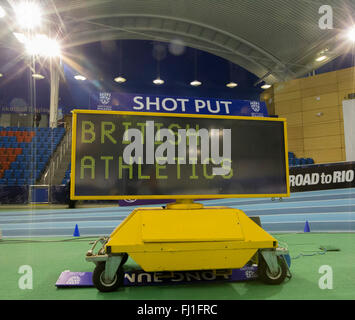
point(267, 277)
point(101, 285)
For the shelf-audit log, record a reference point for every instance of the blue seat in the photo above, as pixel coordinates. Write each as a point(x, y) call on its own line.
point(45, 144)
point(27, 173)
point(21, 182)
point(8, 174)
point(3, 181)
point(11, 182)
point(41, 165)
point(18, 173)
point(31, 181)
point(23, 166)
point(14, 165)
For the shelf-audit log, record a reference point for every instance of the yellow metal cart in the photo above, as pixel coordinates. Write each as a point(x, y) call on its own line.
point(187, 236)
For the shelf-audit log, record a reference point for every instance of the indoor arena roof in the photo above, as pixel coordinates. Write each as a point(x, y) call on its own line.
point(276, 40)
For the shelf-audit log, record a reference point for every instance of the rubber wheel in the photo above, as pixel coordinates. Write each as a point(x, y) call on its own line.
point(266, 276)
point(98, 279)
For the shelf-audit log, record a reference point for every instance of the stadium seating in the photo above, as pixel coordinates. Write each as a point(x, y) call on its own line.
point(25, 153)
point(294, 161)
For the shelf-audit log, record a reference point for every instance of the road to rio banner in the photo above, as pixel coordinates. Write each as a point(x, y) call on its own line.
point(136, 155)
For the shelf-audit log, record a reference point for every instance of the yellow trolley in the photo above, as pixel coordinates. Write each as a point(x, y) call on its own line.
point(187, 236)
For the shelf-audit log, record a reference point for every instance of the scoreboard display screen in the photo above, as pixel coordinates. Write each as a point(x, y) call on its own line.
point(136, 155)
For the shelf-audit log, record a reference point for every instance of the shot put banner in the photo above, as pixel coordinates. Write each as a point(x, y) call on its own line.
point(118, 101)
point(136, 155)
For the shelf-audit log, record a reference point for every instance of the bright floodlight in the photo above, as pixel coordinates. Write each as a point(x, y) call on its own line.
point(28, 14)
point(195, 83)
point(266, 86)
point(37, 76)
point(1, 75)
point(20, 37)
point(43, 46)
point(119, 79)
point(79, 77)
point(232, 85)
point(158, 81)
point(351, 34)
point(2, 12)
point(321, 58)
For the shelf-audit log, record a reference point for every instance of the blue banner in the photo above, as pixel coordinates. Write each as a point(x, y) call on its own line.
point(151, 103)
point(23, 109)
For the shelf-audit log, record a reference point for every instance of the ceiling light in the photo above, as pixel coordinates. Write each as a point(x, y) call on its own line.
point(2, 12)
point(158, 81)
point(41, 45)
point(20, 37)
point(266, 86)
point(79, 77)
point(37, 76)
point(119, 79)
point(1, 75)
point(28, 15)
point(351, 34)
point(195, 83)
point(232, 85)
point(321, 58)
